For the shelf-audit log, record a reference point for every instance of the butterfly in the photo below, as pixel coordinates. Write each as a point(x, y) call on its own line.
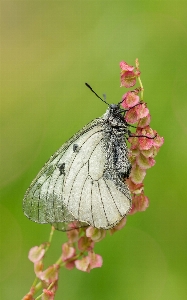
point(84, 181)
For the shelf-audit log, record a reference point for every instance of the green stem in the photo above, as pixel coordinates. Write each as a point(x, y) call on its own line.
point(50, 238)
point(141, 85)
point(40, 296)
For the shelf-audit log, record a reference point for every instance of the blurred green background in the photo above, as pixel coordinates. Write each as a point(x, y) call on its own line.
point(49, 49)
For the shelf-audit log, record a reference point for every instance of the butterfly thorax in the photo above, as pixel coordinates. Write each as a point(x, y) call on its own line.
point(114, 143)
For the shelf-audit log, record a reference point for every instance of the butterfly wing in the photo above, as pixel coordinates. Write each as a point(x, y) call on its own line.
point(72, 187)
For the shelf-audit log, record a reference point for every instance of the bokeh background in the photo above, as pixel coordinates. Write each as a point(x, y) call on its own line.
point(49, 49)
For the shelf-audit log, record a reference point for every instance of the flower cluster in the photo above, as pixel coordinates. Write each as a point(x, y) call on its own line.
point(78, 251)
point(145, 142)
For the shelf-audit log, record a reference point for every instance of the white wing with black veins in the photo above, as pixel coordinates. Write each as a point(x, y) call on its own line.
point(72, 185)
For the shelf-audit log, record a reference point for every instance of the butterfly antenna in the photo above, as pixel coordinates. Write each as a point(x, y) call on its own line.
point(95, 93)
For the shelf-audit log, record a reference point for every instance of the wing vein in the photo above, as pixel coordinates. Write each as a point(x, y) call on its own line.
point(81, 196)
point(102, 202)
point(77, 153)
point(112, 197)
point(79, 172)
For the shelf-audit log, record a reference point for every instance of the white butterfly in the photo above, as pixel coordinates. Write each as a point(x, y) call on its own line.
point(84, 180)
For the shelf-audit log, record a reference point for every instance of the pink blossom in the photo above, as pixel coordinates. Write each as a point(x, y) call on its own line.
point(142, 111)
point(158, 141)
point(141, 202)
point(128, 79)
point(89, 262)
point(137, 174)
point(96, 260)
point(130, 99)
point(73, 235)
point(36, 253)
point(132, 116)
point(95, 234)
point(125, 67)
point(50, 274)
point(70, 265)
point(144, 162)
point(135, 188)
point(48, 295)
point(38, 268)
point(49, 291)
point(83, 264)
point(134, 142)
point(119, 226)
point(148, 153)
point(145, 143)
point(67, 252)
point(144, 122)
point(133, 153)
point(136, 113)
point(73, 225)
point(85, 243)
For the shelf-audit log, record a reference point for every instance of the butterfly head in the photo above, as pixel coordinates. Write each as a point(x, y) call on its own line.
point(114, 109)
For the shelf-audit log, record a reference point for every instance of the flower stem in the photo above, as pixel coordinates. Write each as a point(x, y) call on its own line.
point(52, 283)
point(139, 80)
point(50, 238)
point(142, 89)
